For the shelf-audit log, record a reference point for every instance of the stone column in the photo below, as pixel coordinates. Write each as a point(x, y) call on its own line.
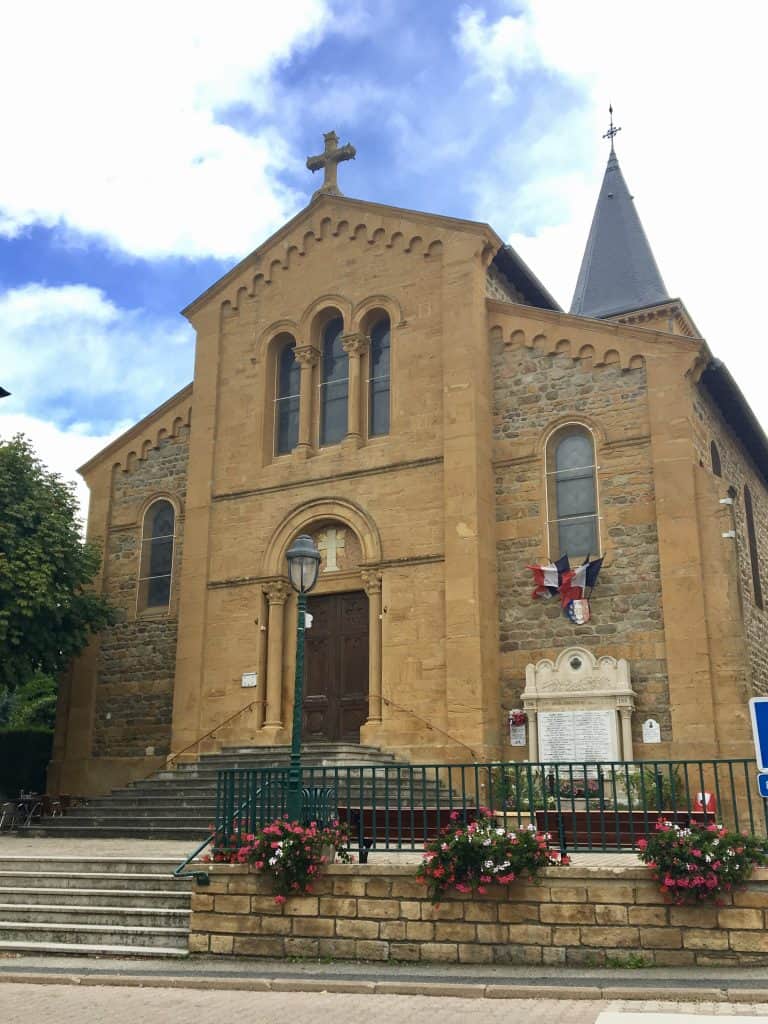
point(626, 734)
point(307, 357)
point(355, 345)
point(372, 585)
point(533, 736)
point(277, 593)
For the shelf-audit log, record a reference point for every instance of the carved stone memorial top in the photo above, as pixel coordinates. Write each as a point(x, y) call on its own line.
point(575, 703)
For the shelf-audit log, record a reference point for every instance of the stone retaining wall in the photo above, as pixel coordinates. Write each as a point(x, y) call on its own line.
point(584, 916)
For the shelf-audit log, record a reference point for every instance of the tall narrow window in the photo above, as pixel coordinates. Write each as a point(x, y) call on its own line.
point(714, 456)
point(572, 493)
point(752, 541)
point(157, 555)
point(287, 400)
point(378, 382)
point(334, 384)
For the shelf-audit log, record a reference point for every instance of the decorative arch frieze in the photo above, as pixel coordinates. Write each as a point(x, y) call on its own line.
point(294, 252)
point(142, 447)
point(585, 354)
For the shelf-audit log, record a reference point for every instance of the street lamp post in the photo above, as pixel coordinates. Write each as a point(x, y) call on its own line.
point(303, 567)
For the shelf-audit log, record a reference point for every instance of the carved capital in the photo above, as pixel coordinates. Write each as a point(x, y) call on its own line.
point(355, 344)
point(277, 591)
point(306, 355)
point(371, 581)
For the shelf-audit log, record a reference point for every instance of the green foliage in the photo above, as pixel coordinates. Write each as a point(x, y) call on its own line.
point(628, 961)
point(658, 789)
point(470, 857)
point(24, 755)
point(700, 862)
point(31, 705)
point(520, 788)
point(46, 608)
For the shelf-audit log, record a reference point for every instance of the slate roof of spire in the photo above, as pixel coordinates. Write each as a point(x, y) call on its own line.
point(618, 272)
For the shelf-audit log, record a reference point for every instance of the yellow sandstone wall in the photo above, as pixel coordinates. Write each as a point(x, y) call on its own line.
point(575, 916)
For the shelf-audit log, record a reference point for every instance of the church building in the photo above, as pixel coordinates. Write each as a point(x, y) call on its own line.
point(401, 387)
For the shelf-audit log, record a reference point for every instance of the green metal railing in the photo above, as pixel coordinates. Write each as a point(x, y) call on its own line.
point(598, 806)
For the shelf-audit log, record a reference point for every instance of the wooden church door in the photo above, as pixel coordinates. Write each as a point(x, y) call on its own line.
point(336, 668)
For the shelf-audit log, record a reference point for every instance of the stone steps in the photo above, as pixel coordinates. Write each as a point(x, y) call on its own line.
point(62, 896)
point(85, 881)
point(73, 915)
point(74, 934)
point(105, 906)
point(181, 803)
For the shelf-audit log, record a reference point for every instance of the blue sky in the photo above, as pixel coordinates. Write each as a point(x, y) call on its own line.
point(146, 154)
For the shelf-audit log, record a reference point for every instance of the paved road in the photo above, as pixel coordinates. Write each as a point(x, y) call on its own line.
point(72, 1004)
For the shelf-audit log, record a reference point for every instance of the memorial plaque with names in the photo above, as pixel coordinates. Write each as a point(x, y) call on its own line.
point(577, 736)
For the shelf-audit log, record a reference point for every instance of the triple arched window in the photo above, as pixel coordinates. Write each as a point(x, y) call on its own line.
point(572, 505)
point(335, 382)
point(156, 563)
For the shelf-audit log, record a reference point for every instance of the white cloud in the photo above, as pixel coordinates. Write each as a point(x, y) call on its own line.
point(69, 353)
point(61, 450)
point(685, 81)
point(110, 121)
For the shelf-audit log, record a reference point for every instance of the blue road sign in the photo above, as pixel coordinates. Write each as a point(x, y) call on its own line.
point(758, 709)
point(762, 785)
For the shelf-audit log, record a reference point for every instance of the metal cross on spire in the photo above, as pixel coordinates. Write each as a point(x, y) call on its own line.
point(329, 161)
point(612, 131)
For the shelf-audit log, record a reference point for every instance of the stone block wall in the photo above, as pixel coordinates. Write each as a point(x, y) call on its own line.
point(737, 470)
point(137, 656)
point(533, 393)
point(575, 916)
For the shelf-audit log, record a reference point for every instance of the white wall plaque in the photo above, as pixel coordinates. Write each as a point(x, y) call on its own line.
point(578, 736)
point(249, 679)
point(651, 731)
point(517, 735)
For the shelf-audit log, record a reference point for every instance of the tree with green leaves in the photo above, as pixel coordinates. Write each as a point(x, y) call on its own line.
point(47, 607)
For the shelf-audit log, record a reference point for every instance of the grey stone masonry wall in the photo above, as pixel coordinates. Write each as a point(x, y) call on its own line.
point(137, 656)
point(498, 286)
point(533, 393)
point(737, 470)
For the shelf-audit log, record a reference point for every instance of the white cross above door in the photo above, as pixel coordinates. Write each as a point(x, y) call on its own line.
point(329, 543)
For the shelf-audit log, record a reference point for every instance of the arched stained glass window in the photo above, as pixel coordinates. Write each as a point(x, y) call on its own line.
point(287, 400)
point(757, 588)
point(572, 493)
point(714, 456)
point(157, 555)
point(378, 381)
point(334, 384)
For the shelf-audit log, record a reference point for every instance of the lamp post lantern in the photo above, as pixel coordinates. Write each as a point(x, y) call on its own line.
point(303, 567)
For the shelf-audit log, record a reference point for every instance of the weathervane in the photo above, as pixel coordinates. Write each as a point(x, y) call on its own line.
point(612, 132)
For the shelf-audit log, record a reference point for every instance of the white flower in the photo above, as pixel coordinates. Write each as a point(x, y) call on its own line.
point(499, 831)
point(488, 864)
point(486, 842)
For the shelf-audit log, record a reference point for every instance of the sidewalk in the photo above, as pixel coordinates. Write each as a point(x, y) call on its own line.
point(713, 985)
point(162, 849)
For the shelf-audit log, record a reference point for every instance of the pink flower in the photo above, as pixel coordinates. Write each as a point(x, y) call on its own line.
point(279, 900)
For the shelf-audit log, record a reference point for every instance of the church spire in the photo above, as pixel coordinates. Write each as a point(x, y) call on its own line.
point(618, 272)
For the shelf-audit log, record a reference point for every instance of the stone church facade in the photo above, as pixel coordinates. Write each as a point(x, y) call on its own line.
point(401, 387)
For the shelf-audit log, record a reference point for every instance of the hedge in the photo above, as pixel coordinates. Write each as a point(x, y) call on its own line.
point(24, 757)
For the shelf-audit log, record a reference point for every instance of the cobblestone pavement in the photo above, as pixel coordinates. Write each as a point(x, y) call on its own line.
point(70, 1004)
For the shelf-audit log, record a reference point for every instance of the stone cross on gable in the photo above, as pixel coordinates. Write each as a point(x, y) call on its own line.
point(329, 161)
point(329, 544)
